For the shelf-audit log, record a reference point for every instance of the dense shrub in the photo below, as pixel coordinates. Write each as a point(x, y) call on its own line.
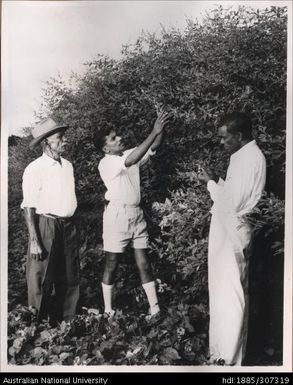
point(235, 59)
point(92, 339)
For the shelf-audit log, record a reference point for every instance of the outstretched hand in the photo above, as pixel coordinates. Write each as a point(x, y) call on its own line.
point(203, 175)
point(160, 122)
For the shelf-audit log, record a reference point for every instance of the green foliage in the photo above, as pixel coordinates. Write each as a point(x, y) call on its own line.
point(93, 339)
point(235, 59)
point(268, 217)
point(184, 218)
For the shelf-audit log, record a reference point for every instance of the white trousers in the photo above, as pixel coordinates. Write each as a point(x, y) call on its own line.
point(228, 281)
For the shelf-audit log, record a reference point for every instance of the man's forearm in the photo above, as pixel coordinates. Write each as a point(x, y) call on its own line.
point(141, 150)
point(35, 251)
point(29, 214)
point(157, 142)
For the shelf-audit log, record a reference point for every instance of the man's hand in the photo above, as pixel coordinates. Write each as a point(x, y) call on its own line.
point(203, 175)
point(153, 140)
point(160, 122)
point(36, 251)
point(159, 126)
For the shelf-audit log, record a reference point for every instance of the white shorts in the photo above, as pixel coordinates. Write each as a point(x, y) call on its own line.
point(122, 225)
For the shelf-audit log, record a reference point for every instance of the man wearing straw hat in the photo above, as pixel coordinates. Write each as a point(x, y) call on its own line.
point(49, 202)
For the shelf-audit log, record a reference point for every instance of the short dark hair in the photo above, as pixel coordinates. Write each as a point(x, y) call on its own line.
point(238, 122)
point(99, 138)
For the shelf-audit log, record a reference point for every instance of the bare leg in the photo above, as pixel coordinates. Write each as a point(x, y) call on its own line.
point(143, 264)
point(110, 268)
point(108, 279)
point(148, 283)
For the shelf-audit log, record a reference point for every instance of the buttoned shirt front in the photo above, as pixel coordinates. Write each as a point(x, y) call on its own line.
point(122, 183)
point(48, 186)
point(244, 183)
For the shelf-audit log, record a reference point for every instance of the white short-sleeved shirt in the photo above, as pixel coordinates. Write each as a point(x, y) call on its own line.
point(244, 184)
point(49, 187)
point(122, 183)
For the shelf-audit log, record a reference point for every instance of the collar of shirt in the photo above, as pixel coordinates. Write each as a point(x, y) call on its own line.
point(50, 161)
point(243, 150)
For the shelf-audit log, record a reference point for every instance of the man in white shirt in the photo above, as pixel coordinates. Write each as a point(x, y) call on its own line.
point(49, 202)
point(230, 238)
point(123, 220)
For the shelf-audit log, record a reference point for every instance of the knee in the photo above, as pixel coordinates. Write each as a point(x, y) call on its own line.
point(144, 266)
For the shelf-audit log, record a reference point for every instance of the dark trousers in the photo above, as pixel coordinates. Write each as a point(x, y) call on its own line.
point(60, 269)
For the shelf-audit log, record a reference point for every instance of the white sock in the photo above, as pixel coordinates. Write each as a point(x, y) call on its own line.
point(150, 290)
point(107, 294)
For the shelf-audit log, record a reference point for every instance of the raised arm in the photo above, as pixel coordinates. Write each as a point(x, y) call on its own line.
point(154, 138)
point(157, 142)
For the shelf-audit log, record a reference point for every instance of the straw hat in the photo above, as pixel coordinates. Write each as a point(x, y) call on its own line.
point(45, 128)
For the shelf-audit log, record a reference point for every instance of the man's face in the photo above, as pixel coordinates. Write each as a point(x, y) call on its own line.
point(57, 143)
point(113, 144)
point(231, 141)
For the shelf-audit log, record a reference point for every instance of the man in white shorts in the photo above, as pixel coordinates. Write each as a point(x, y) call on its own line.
point(123, 220)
